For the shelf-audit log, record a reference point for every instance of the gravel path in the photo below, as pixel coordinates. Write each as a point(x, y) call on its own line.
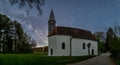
point(103, 59)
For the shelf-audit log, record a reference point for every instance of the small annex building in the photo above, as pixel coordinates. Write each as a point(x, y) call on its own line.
point(68, 41)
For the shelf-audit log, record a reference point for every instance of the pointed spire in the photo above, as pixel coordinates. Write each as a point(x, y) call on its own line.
point(51, 16)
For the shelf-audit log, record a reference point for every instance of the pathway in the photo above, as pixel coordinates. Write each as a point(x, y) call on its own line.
point(103, 59)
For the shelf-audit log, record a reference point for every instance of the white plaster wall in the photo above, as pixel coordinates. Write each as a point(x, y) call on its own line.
point(55, 42)
point(77, 47)
point(95, 47)
point(51, 45)
point(60, 39)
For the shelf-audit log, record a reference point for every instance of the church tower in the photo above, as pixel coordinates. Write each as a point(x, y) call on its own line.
point(51, 22)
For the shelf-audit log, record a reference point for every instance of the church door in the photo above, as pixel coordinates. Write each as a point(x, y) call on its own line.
point(51, 51)
point(92, 51)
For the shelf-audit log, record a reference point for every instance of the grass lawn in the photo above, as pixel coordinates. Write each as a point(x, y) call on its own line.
point(37, 59)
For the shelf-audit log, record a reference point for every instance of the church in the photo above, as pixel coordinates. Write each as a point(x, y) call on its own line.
point(68, 41)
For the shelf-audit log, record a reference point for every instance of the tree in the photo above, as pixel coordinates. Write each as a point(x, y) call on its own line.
point(109, 39)
point(33, 43)
point(113, 40)
point(13, 39)
point(100, 36)
point(23, 44)
point(29, 4)
point(116, 30)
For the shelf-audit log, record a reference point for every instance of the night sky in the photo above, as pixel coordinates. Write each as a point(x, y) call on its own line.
point(92, 15)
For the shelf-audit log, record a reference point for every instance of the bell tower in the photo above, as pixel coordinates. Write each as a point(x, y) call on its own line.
point(51, 22)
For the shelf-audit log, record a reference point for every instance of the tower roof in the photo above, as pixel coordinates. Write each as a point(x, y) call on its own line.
point(51, 16)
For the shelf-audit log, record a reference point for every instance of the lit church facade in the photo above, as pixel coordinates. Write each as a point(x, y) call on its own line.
point(68, 41)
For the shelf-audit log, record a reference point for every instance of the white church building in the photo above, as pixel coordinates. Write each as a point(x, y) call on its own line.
point(68, 41)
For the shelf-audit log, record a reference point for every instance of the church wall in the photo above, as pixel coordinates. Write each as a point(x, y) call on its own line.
point(95, 47)
point(56, 41)
point(77, 47)
point(52, 45)
point(63, 39)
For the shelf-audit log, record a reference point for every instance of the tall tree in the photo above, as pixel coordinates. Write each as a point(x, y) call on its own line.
point(116, 30)
point(114, 41)
point(12, 37)
point(109, 39)
point(101, 37)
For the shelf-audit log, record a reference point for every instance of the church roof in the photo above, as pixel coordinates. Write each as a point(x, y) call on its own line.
point(74, 32)
point(52, 17)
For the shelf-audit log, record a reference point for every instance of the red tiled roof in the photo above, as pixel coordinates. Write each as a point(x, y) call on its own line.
point(74, 32)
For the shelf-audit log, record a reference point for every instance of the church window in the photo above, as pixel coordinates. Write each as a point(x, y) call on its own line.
point(83, 45)
point(51, 50)
point(89, 45)
point(63, 45)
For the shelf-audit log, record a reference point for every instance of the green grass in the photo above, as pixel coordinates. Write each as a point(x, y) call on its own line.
point(37, 59)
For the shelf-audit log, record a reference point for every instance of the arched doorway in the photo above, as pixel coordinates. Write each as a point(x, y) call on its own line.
point(51, 51)
point(92, 51)
point(89, 45)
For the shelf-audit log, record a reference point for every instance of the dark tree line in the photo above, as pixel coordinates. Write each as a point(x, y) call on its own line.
point(13, 39)
point(113, 41)
point(109, 41)
point(110, 38)
point(101, 38)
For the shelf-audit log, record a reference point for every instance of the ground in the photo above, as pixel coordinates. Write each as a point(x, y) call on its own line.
point(43, 59)
point(103, 59)
point(38, 59)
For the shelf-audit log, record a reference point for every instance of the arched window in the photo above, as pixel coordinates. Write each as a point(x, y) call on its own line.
point(51, 51)
point(89, 45)
point(83, 45)
point(63, 45)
